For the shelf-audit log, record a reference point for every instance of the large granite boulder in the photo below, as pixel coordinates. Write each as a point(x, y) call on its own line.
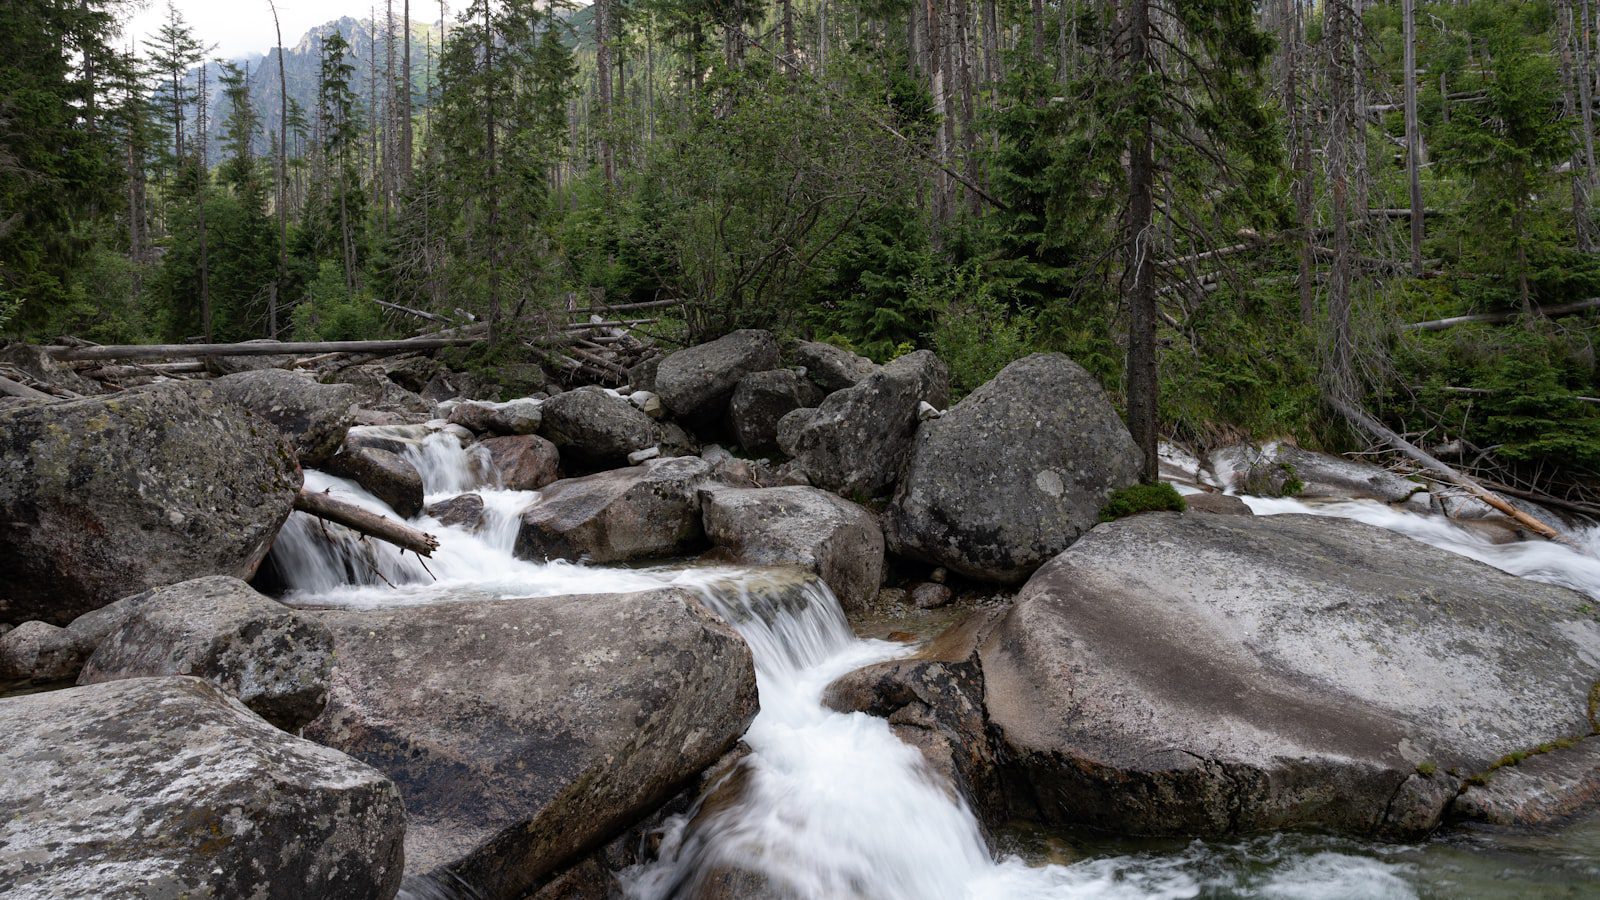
point(524, 462)
point(524, 733)
point(313, 416)
point(274, 659)
point(763, 398)
point(642, 512)
point(800, 526)
point(1187, 674)
point(167, 787)
point(384, 473)
point(1548, 785)
point(832, 368)
point(695, 383)
point(595, 428)
point(1014, 473)
point(102, 498)
point(857, 441)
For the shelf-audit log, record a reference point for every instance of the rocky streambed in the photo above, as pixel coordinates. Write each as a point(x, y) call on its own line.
point(629, 667)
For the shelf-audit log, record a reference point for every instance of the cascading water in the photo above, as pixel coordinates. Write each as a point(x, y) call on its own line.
point(834, 805)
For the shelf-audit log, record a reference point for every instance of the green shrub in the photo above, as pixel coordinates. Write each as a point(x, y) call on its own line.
point(1139, 498)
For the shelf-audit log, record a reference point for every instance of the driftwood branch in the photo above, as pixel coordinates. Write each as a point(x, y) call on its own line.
point(1546, 311)
point(168, 351)
point(326, 506)
point(1365, 422)
point(18, 389)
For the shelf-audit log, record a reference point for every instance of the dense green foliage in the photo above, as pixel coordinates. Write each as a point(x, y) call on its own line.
point(862, 190)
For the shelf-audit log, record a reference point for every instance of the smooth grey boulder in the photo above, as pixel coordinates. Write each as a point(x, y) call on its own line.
point(524, 462)
point(525, 732)
point(596, 429)
point(167, 787)
point(642, 375)
point(313, 416)
point(385, 474)
point(472, 415)
point(800, 526)
point(762, 399)
point(1216, 504)
point(1277, 469)
point(1540, 790)
point(642, 512)
point(463, 511)
point(40, 652)
point(275, 660)
point(832, 368)
point(1014, 473)
point(695, 383)
point(104, 497)
point(857, 441)
point(1184, 674)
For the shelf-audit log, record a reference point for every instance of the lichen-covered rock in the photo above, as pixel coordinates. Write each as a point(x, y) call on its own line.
point(595, 428)
point(1014, 473)
point(463, 511)
point(800, 526)
point(167, 787)
point(857, 441)
point(523, 462)
point(104, 497)
point(40, 652)
point(384, 473)
point(790, 427)
point(313, 416)
point(516, 417)
point(274, 659)
point(642, 512)
point(1196, 674)
point(524, 732)
point(695, 383)
point(762, 399)
point(832, 368)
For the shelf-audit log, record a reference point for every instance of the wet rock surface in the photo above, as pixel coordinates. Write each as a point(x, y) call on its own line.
point(1217, 674)
point(800, 526)
point(1543, 789)
point(104, 497)
point(464, 511)
point(167, 787)
point(523, 462)
point(275, 660)
point(646, 511)
point(524, 733)
point(385, 474)
point(1014, 473)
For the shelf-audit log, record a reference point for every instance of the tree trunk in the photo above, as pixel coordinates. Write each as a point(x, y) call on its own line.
point(406, 135)
point(493, 187)
point(371, 524)
point(603, 38)
point(1142, 384)
point(202, 175)
point(1413, 134)
point(991, 44)
point(283, 180)
point(1036, 16)
point(1340, 366)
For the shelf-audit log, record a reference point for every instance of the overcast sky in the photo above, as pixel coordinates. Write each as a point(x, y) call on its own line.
point(240, 27)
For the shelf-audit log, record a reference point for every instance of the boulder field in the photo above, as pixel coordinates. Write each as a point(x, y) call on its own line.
point(1209, 672)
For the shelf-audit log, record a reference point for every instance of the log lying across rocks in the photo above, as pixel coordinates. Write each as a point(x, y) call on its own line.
point(325, 506)
point(1506, 316)
point(251, 348)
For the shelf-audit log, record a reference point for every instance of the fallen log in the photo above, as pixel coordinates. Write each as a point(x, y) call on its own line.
point(624, 323)
point(326, 506)
point(1495, 317)
point(168, 351)
point(1365, 422)
point(622, 307)
point(18, 389)
point(418, 313)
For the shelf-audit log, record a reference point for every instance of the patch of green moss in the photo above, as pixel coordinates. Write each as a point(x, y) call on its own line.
point(1140, 498)
point(1426, 768)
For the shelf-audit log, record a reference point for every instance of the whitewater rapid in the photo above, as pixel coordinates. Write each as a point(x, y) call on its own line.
point(834, 805)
